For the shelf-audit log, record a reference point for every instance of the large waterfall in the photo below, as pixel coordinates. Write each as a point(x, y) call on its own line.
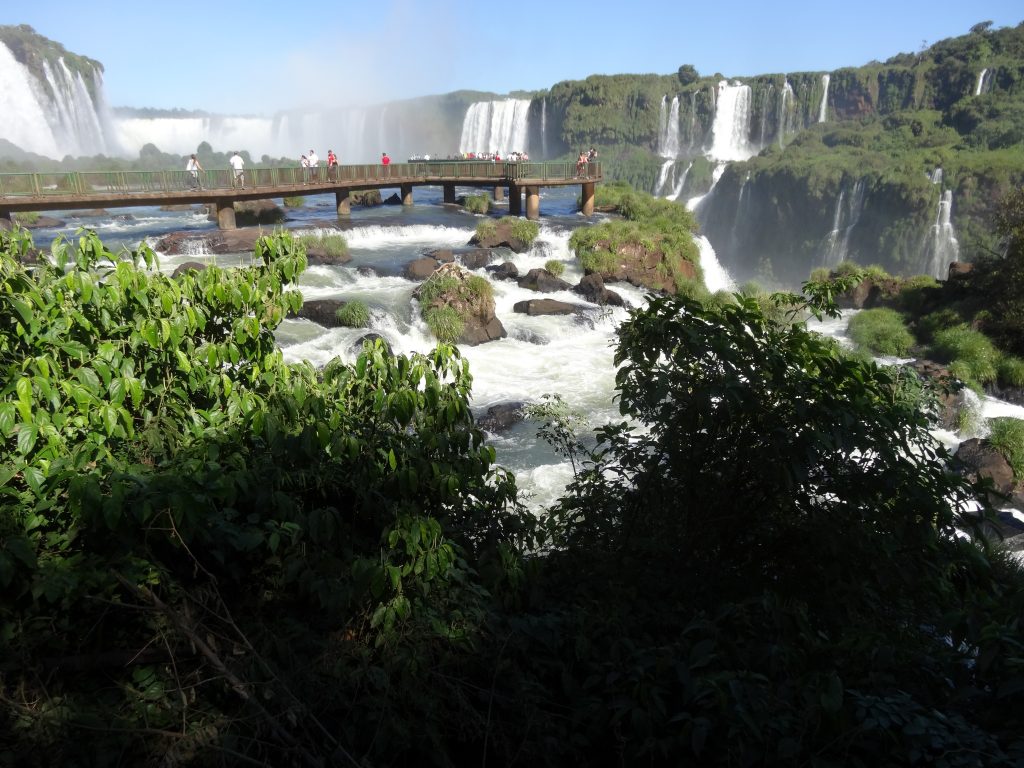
point(983, 81)
point(731, 128)
point(56, 114)
point(496, 126)
point(785, 106)
point(668, 139)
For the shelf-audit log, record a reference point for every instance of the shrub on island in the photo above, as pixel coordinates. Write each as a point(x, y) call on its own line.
point(354, 314)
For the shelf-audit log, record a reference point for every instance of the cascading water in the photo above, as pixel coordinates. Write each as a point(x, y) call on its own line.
point(668, 142)
point(731, 127)
point(980, 87)
point(496, 126)
point(823, 109)
point(941, 246)
point(677, 188)
point(715, 276)
point(544, 129)
point(693, 121)
point(766, 101)
point(785, 104)
point(55, 116)
point(846, 217)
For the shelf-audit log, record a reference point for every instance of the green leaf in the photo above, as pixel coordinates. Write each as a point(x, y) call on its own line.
point(8, 414)
point(27, 434)
point(392, 461)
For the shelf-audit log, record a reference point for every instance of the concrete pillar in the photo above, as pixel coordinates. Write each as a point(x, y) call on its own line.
point(533, 203)
point(343, 203)
point(6, 222)
point(406, 194)
point(515, 200)
point(449, 193)
point(499, 193)
point(225, 215)
point(587, 199)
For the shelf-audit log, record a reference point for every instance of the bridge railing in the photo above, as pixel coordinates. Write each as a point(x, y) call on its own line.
point(84, 183)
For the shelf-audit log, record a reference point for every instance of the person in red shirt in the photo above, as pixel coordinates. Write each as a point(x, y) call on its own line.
point(385, 161)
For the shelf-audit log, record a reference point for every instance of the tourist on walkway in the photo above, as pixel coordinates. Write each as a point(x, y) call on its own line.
point(385, 161)
point(238, 164)
point(193, 167)
point(332, 165)
point(304, 162)
point(314, 163)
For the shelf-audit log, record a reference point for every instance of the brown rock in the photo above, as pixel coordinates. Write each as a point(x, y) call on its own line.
point(502, 238)
point(500, 417)
point(504, 271)
point(188, 266)
point(420, 269)
point(591, 287)
point(982, 460)
point(322, 312)
point(543, 281)
point(535, 307)
point(476, 309)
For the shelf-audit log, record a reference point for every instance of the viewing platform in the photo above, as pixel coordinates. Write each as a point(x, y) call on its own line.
point(118, 189)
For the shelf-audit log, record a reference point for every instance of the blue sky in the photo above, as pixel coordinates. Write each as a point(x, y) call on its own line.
point(259, 57)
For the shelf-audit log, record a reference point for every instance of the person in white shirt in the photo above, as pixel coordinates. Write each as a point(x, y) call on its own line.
point(314, 163)
point(193, 167)
point(238, 164)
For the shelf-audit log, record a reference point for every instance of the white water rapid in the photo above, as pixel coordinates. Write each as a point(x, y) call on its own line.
point(55, 116)
point(496, 126)
point(823, 109)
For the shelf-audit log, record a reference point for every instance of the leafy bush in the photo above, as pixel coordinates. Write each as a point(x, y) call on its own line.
point(881, 331)
point(1007, 435)
point(819, 274)
point(436, 285)
point(26, 218)
point(973, 354)
point(480, 203)
point(916, 291)
point(555, 267)
point(445, 323)
point(353, 314)
point(294, 201)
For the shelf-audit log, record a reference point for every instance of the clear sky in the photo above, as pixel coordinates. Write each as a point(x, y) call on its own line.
point(257, 57)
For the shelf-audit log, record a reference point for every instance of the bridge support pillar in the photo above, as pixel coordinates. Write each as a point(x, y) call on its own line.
point(533, 203)
point(342, 202)
point(587, 199)
point(449, 193)
point(226, 215)
point(499, 193)
point(515, 200)
point(406, 194)
point(6, 222)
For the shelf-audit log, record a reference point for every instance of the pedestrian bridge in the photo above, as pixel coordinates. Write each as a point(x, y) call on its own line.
point(113, 189)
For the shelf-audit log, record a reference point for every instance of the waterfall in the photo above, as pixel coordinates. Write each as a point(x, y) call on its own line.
point(677, 189)
point(669, 140)
point(731, 128)
point(823, 109)
point(979, 88)
point(716, 175)
point(693, 120)
point(663, 175)
point(495, 126)
point(941, 246)
point(846, 217)
point(765, 104)
point(544, 129)
point(56, 115)
point(785, 100)
point(935, 177)
point(716, 278)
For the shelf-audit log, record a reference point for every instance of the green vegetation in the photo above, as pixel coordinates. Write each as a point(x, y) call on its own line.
point(445, 323)
point(555, 267)
point(971, 355)
point(1011, 372)
point(26, 218)
point(333, 245)
point(449, 298)
point(219, 558)
point(486, 229)
point(653, 229)
point(480, 203)
point(294, 201)
point(1007, 436)
point(354, 314)
point(881, 331)
point(524, 230)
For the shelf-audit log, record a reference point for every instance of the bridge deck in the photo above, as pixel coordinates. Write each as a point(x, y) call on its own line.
point(68, 191)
